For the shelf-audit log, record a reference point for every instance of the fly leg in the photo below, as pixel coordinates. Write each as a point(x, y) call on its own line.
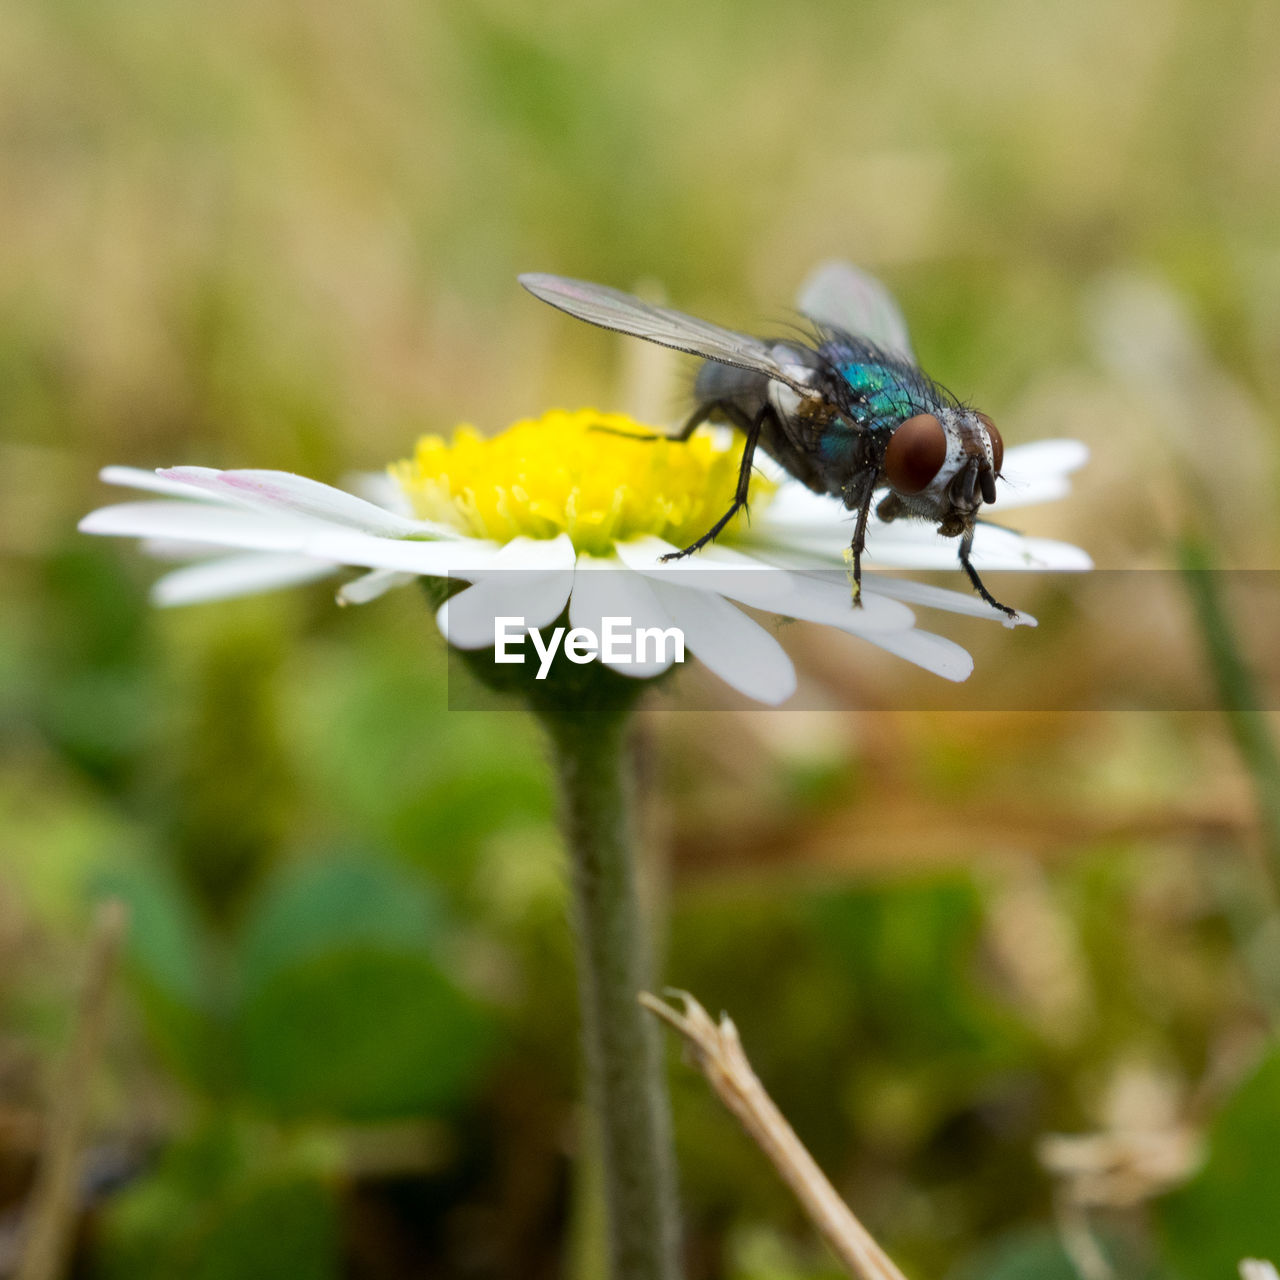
point(751, 428)
point(966, 547)
point(854, 555)
point(700, 415)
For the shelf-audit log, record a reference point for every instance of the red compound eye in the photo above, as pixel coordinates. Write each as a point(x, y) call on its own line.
point(997, 445)
point(917, 449)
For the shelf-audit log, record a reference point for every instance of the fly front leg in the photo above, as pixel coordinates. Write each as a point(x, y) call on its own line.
point(751, 427)
point(966, 548)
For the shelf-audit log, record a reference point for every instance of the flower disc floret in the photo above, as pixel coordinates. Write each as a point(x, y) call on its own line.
point(602, 478)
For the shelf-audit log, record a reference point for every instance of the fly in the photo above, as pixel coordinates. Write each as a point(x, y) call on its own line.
point(847, 413)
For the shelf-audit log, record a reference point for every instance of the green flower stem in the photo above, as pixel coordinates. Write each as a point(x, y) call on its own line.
point(1254, 918)
point(624, 1075)
point(1242, 704)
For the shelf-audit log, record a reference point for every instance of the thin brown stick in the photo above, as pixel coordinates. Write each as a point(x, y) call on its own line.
point(51, 1213)
point(718, 1054)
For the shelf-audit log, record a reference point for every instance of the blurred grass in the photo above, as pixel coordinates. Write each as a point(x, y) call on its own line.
point(286, 235)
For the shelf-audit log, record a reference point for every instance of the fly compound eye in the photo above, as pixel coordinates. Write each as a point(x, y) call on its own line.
point(915, 454)
point(997, 444)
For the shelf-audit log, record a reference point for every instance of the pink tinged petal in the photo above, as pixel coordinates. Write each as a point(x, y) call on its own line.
point(295, 534)
point(603, 588)
point(736, 648)
point(755, 582)
point(203, 522)
point(230, 576)
point(284, 492)
point(371, 585)
point(152, 482)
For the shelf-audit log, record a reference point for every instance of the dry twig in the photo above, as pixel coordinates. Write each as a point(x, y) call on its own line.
point(718, 1053)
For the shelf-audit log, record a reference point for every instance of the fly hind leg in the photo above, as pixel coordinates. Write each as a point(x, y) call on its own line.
point(751, 428)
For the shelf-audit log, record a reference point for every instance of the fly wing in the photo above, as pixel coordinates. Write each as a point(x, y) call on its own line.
point(840, 295)
point(612, 309)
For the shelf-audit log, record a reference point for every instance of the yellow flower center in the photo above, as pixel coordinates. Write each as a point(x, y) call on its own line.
point(575, 473)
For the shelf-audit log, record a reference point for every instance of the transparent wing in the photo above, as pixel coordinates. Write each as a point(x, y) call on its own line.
point(844, 297)
point(612, 309)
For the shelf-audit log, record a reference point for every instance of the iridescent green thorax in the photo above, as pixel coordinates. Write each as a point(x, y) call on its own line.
point(881, 396)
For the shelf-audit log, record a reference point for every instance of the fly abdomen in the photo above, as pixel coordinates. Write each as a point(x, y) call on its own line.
point(717, 383)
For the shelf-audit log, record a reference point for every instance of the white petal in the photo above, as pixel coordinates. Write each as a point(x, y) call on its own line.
point(282, 491)
point(1038, 472)
point(763, 585)
point(923, 593)
point(736, 648)
point(997, 548)
point(604, 588)
point(794, 509)
point(529, 579)
point(829, 601)
point(432, 559)
point(1026, 462)
point(231, 576)
point(797, 516)
point(539, 555)
point(913, 544)
point(712, 569)
point(177, 549)
point(934, 653)
point(379, 488)
point(371, 585)
point(1030, 473)
point(1014, 494)
point(468, 620)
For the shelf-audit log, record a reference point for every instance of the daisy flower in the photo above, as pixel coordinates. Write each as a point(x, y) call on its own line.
point(556, 514)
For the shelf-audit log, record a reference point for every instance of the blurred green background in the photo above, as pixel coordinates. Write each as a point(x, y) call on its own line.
point(282, 234)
